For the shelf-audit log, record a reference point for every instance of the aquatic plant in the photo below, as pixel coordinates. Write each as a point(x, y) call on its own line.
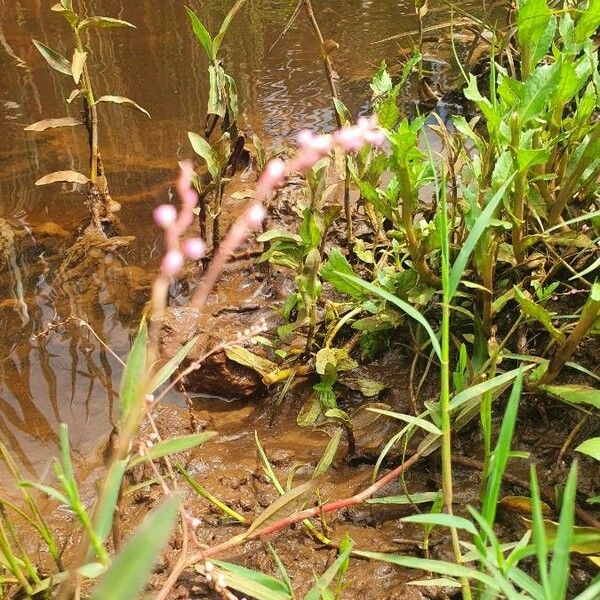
point(222, 145)
point(99, 201)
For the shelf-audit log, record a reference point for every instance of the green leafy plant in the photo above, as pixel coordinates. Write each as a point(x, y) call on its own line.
point(222, 145)
point(100, 203)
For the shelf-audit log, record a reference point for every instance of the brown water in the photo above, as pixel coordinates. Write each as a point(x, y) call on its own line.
point(65, 374)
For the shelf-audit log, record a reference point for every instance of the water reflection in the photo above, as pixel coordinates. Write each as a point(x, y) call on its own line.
point(65, 374)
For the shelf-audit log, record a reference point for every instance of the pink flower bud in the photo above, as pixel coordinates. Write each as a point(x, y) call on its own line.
point(194, 248)
point(275, 172)
point(172, 263)
point(305, 138)
point(254, 216)
point(350, 139)
point(322, 143)
point(165, 215)
point(189, 198)
point(375, 137)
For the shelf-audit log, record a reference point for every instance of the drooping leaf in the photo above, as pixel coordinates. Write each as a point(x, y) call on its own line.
point(284, 506)
point(200, 32)
point(412, 420)
point(203, 149)
point(179, 443)
point(243, 356)
point(77, 64)
point(123, 100)
point(410, 310)
point(134, 373)
point(57, 61)
point(573, 393)
point(48, 490)
point(103, 23)
point(63, 177)
point(590, 447)
point(331, 271)
point(53, 123)
point(74, 94)
point(252, 583)
point(131, 568)
point(535, 311)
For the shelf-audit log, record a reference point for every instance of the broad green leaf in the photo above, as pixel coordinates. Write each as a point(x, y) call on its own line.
point(134, 374)
point(53, 123)
point(332, 271)
point(123, 100)
point(338, 358)
point(310, 411)
point(203, 149)
point(244, 357)
point(77, 64)
point(412, 420)
point(131, 568)
point(417, 498)
point(279, 235)
point(63, 177)
point(481, 224)
point(382, 82)
point(224, 27)
point(590, 447)
point(165, 372)
point(573, 393)
point(537, 91)
point(536, 27)
point(173, 445)
point(200, 32)
point(329, 454)
point(57, 61)
point(252, 583)
point(442, 520)
point(535, 311)
point(103, 22)
point(588, 22)
point(105, 510)
point(284, 506)
point(410, 310)
point(342, 111)
point(339, 566)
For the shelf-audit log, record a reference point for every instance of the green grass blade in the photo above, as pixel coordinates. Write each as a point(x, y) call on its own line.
point(539, 534)
point(129, 572)
point(134, 372)
point(411, 311)
point(165, 372)
point(559, 569)
point(173, 445)
point(482, 223)
point(338, 566)
point(105, 511)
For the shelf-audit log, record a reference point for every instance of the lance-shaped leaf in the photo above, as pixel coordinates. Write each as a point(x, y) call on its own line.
point(123, 100)
point(77, 64)
point(224, 27)
point(203, 149)
point(63, 177)
point(284, 506)
point(534, 311)
point(132, 566)
point(200, 32)
point(103, 22)
point(252, 583)
point(74, 94)
point(53, 123)
point(173, 446)
point(133, 375)
point(57, 61)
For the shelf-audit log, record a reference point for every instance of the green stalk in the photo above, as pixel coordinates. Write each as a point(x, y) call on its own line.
point(518, 208)
point(486, 418)
point(91, 109)
point(567, 188)
point(12, 563)
point(445, 419)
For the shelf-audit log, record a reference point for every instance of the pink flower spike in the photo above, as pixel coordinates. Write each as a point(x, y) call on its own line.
point(189, 198)
point(194, 248)
point(350, 139)
point(322, 143)
point(305, 138)
point(165, 215)
point(275, 173)
point(375, 137)
point(172, 263)
point(255, 215)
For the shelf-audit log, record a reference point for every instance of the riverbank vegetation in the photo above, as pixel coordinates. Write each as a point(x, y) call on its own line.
point(467, 244)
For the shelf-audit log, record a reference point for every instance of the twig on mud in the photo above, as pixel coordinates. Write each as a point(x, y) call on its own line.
point(283, 523)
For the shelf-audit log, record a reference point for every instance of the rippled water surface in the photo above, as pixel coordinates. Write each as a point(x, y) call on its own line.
point(64, 373)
